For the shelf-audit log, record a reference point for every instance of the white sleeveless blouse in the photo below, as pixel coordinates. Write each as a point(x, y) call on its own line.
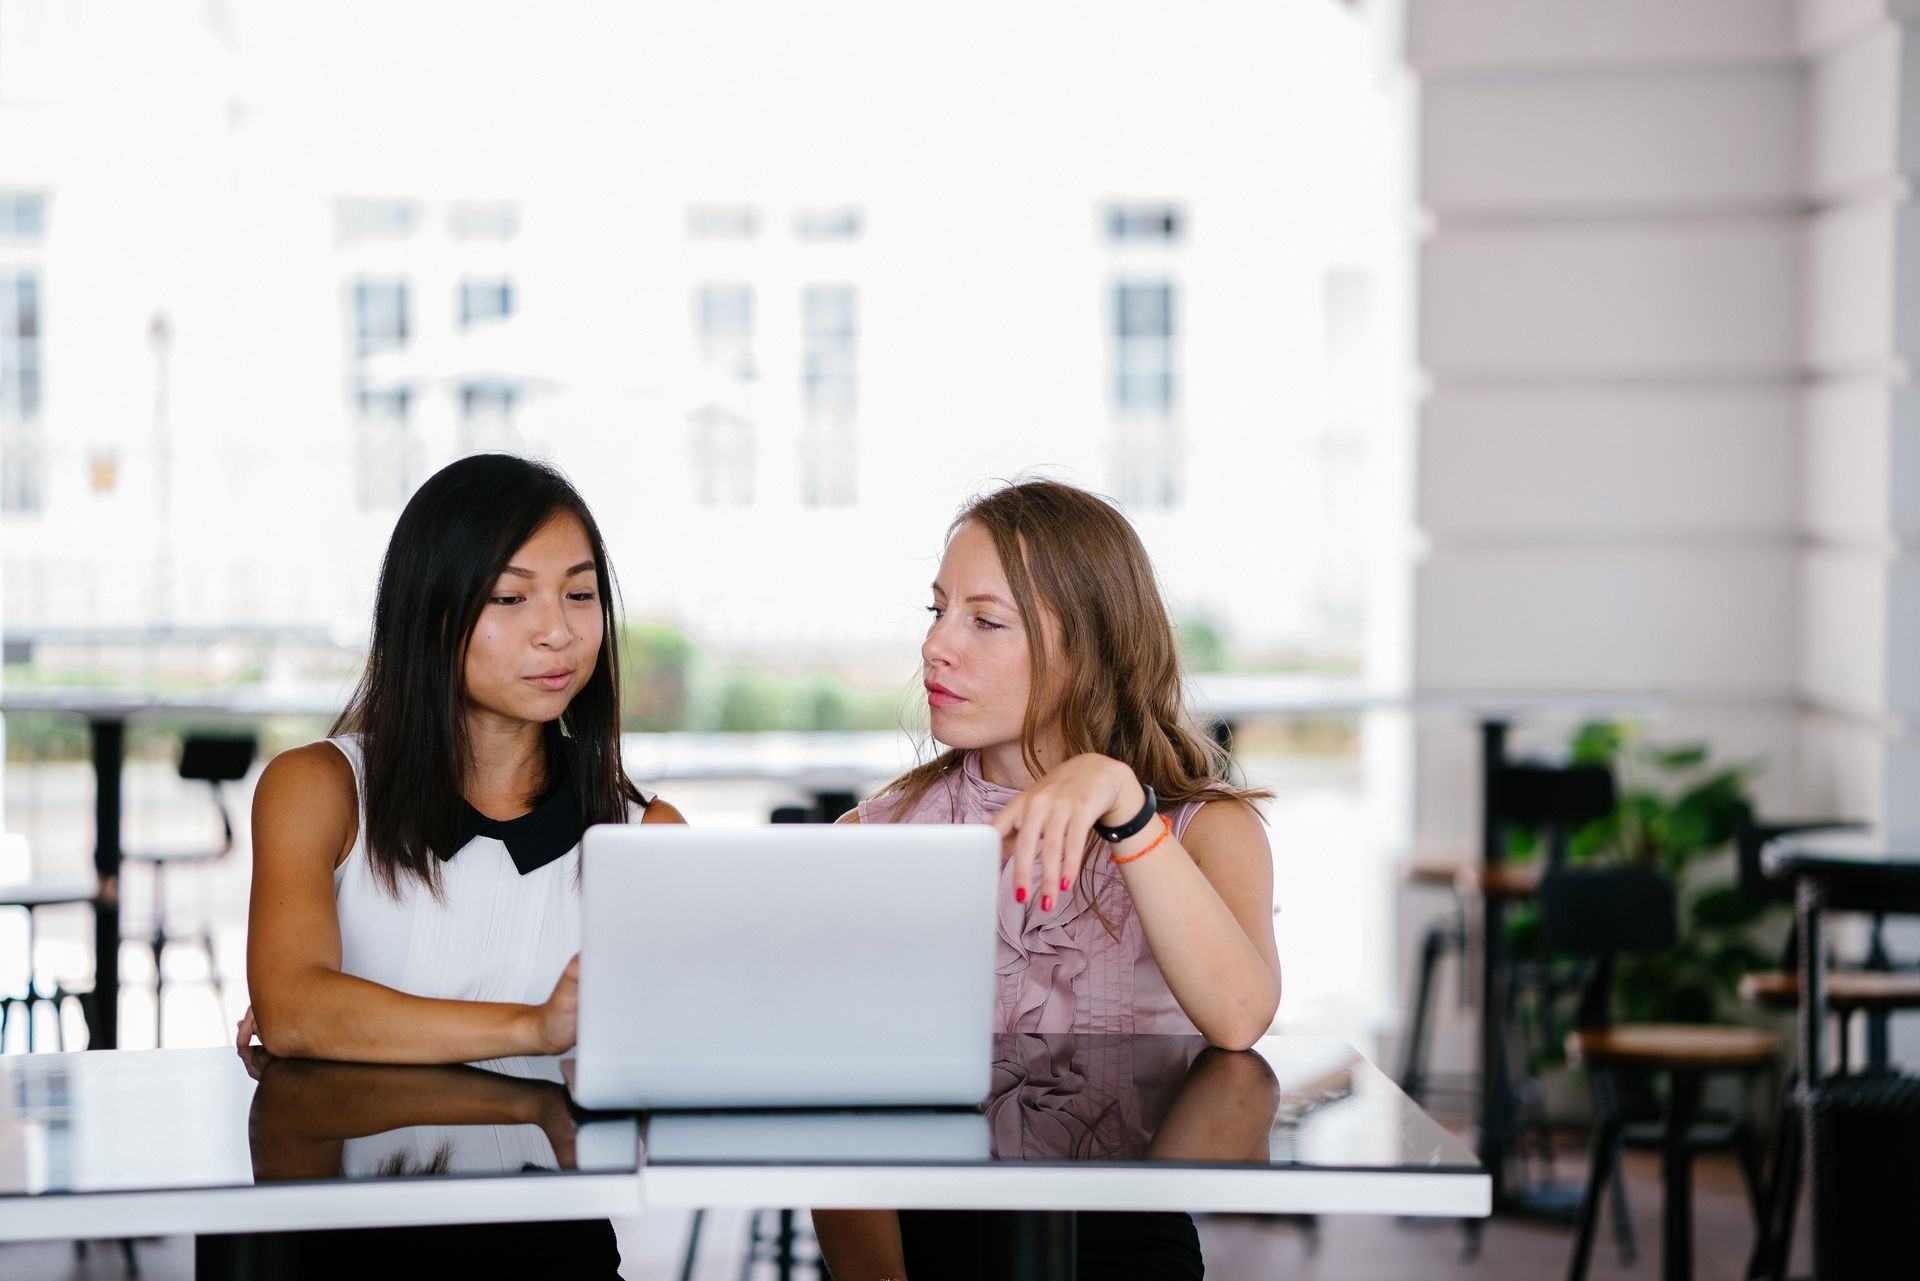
point(493, 934)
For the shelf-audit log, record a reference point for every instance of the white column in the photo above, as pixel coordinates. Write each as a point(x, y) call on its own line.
point(1609, 325)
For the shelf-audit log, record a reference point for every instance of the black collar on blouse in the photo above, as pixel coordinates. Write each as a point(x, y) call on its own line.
point(534, 839)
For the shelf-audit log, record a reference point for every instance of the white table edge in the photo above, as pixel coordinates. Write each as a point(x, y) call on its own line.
point(1440, 1193)
point(289, 1207)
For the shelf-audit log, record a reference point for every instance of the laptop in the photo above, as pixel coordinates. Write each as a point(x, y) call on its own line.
point(787, 966)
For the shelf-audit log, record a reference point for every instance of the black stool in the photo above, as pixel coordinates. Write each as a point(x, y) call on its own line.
point(215, 760)
point(1599, 914)
point(1861, 1132)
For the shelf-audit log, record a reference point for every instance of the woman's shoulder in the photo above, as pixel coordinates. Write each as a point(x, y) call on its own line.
point(657, 809)
point(1219, 816)
point(312, 787)
point(321, 764)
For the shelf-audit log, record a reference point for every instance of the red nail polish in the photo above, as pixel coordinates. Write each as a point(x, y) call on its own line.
point(1019, 893)
point(1063, 885)
point(1046, 902)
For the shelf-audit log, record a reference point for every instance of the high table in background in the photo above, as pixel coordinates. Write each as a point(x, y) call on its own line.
point(106, 712)
point(171, 1141)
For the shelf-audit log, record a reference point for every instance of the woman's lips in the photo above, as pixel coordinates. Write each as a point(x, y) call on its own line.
point(551, 680)
point(940, 696)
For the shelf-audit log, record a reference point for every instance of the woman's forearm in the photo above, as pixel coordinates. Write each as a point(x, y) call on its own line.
point(860, 1245)
point(320, 1013)
point(1212, 968)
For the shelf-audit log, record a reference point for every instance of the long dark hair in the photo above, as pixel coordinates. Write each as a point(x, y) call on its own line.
point(457, 534)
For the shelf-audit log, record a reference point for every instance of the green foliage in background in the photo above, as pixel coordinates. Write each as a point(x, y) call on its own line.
point(1678, 814)
point(656, 666)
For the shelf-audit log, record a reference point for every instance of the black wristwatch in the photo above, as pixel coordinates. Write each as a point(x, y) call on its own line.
point(1114, 835)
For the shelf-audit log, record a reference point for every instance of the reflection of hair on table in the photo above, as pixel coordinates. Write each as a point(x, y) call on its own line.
point(402, 1164)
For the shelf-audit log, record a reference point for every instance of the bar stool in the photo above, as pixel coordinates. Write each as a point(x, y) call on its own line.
point(30, 896)
point(1861, 1129)
point(1557, 800)
point(216, 760)
point(1599, 914)
point(1875, 988)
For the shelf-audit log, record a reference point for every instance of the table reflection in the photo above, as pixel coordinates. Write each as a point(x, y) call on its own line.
point(1059, 1097)
point(315, 1120)
point(1098, 1099)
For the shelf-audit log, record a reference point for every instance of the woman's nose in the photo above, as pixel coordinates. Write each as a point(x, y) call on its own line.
point(552, 625)
point(934, 650)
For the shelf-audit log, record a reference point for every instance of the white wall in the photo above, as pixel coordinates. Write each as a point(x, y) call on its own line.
point(1670, 295)
point(1609, 327)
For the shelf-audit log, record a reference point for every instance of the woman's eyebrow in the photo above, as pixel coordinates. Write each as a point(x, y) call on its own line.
point(991, 599)
point(518, 572)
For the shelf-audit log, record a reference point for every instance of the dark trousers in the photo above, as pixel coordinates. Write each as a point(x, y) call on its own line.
point(953, 1245)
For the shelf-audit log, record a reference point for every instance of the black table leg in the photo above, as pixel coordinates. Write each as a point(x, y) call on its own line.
point(263, 1256)
point(1676, 1176)
point(1496, 1092)
point(1032, 1245)
point(109, 751)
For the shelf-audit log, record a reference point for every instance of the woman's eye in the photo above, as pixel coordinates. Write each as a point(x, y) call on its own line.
point(988, 625)
point(935, 610)
point(580, 596)
point(505, 600)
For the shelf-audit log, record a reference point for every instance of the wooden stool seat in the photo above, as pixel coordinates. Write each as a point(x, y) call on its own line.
point(1499, 880)
point(1846, 989)
point(1673, 1045)
point(1434, 871)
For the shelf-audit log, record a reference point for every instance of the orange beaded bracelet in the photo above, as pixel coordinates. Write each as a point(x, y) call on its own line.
point(1166, 830)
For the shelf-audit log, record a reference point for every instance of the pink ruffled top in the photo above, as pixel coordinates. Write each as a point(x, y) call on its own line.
point(1064, 970)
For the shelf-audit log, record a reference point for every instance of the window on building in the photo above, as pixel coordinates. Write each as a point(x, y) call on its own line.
point(722, 222)
point(1145, 391)
point(841, 222)
point(385, 455)
point(482, 220)
point(23, 215)
point(1144, 224)
point(366, 221)
point(487, 410)
point(22, 460)
point(723, 457)
point(485, 301)
point(380, 317)
point(723, 328)
point(829, 393)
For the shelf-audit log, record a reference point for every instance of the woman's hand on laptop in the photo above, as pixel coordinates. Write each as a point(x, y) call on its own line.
point(1053, 819)
point(555, 1023)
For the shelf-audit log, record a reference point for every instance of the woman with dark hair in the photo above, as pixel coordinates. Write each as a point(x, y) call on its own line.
point(415, 880)
point(1136, 881)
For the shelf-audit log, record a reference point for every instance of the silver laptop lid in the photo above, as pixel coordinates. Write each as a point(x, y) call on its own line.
point(786, 966)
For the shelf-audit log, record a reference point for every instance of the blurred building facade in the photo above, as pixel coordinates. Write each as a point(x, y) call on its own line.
point(261, 271)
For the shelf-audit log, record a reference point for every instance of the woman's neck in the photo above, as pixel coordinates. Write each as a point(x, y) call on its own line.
point(1003, 765)
point(506, 764)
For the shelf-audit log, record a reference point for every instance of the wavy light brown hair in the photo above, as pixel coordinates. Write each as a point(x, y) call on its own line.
point(1072, 557)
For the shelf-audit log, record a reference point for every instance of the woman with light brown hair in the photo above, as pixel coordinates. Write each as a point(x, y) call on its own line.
point(1136, 882)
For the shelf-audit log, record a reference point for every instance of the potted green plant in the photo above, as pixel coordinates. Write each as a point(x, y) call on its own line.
point(1678, 813)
